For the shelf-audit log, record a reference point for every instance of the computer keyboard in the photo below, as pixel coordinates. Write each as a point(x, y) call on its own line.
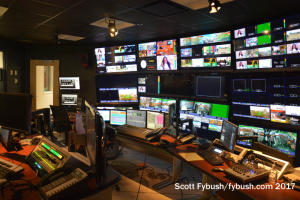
point(211, 158)
point(8, 167)
point(133, 131)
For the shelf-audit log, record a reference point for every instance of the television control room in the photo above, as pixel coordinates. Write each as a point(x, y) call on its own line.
point(149, 99)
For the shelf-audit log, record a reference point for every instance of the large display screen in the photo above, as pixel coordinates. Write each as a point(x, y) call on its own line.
point(196, 53)
point(117, 89)
point(116, 59)
point(206, 116)
point(273, 99)
point(156, 104)
point(284, 141)
point(157, 56)
point(69, 83)
point(270, 45)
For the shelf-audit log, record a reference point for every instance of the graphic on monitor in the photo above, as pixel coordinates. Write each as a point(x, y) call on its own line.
point(136, 118)
point(69, 99)
point(228, 135)
point(118, 117)
point(155, 120)
point(69, 83)
point(240, 33)
point(105, 114)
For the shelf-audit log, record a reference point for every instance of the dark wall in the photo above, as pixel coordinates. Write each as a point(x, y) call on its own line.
point(14, 59)
point(69, 66)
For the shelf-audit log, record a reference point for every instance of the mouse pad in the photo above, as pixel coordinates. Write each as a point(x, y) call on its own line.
point(191, 156)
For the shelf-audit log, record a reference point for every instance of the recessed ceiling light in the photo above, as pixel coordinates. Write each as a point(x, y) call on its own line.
point(2, 10)
point(69, 37)
point(119, 24)
point(197, 4)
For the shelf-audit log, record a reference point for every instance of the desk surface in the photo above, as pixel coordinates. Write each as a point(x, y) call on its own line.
point(206, 168)
point(112, 177)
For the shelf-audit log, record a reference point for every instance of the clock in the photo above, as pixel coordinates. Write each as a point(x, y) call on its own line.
point(143, 64)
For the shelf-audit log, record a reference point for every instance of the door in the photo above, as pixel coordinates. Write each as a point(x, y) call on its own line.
point(44, 83)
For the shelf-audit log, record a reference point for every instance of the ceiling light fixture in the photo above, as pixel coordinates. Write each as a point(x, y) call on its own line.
point(112, 27)
point(214, 5)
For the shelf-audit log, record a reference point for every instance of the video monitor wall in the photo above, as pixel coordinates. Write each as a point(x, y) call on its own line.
point(69, 83)
point(116, 59)
point(117, 89)
point(157, 56)
point(270, 45)
point(197, 52)
point(206, 116)
point(149, 84)
point(156, 104)
point(283, 141)
point(273, 99)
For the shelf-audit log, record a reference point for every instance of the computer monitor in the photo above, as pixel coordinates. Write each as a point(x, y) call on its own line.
point(155, 120)
point(95, 141)
point(69, 99)
point(136, 118)
point(105, 114)
point(69, 83)
point(172, 112)
point(228, 135)
point(5, 137)
point(118, 117)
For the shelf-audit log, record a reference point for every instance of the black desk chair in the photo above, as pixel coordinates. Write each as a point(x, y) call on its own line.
point(61, 121)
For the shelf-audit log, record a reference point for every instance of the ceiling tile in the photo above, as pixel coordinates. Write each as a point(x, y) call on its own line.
point(161, 25)
point(163, 9)
point(4, 3)
point(93, 29)
point(37, 8)
point(242, 20)
point(9, 34)
point(24, 16)
point(61, 23)
point(209, 26)
point(130, 3)
point(61, 3)
point(80, 33)
point(78, 16)
point(13, 29)
point(140, 30)
point(135, 17)
point(99, 7)
point(18, 23)
point(52, 29)
point(189, 18)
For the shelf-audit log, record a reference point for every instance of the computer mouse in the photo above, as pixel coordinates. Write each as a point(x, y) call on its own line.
point(217, 169)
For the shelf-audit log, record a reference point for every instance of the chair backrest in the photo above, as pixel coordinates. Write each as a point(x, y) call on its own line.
point(61, 119)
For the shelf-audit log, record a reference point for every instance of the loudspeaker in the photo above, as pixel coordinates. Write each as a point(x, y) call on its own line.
point(84, 60)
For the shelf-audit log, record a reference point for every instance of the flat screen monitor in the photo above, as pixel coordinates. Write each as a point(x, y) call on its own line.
point(95, 129)
point(209, 86)
point(155, 120)
point(69, 83)
point(116, 59)
point(156, 103)
point(228, 135)
point(176, 85)
point(117, 89)
point(105, 114)
point(118, 117)
point(5, 137)
point(69, 99)
point(136, 118)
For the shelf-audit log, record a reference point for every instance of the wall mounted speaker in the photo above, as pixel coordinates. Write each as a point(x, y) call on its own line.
point(84, 60)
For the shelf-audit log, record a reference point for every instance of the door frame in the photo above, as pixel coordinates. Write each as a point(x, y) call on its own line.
point(55, 64)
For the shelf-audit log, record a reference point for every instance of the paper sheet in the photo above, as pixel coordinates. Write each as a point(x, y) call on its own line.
point(191, 156)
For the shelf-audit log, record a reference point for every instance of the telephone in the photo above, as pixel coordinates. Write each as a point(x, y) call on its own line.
point(62, 183)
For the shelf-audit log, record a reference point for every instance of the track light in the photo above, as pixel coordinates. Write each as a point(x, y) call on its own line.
point(112, 28)
point(214, 5)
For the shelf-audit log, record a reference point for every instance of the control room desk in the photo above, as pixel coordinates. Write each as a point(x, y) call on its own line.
point(206, 169)
point(171, 154)
point(112, 177)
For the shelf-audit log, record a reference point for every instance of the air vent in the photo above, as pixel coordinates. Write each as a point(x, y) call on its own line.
point(163, 8)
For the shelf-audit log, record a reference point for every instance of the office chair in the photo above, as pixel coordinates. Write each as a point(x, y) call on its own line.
point(61, 121)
